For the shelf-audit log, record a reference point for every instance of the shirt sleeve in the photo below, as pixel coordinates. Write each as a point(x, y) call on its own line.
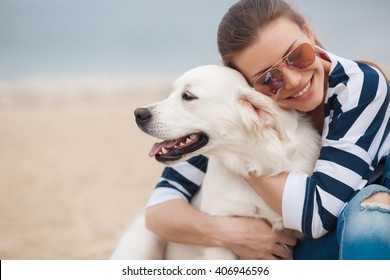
point(180, 181)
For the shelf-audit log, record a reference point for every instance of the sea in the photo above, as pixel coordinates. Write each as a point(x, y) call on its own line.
point(149, 37)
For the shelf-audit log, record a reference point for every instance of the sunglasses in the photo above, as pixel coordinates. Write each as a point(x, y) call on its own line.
point(270, 82)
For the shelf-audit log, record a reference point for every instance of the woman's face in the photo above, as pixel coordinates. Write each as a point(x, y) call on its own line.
point(303, 90)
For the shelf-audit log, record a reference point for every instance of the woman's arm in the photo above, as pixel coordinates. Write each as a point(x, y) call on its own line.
point(270, 189)
point(177, 221)
point(250, 238)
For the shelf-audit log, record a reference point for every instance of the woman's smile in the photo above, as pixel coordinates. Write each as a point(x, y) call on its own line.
point(304, 92)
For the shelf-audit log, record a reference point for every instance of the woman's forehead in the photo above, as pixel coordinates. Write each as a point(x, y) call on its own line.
point(273, 42)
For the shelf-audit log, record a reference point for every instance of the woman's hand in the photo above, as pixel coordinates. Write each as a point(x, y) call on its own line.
point(249, 238)
point(252, 238)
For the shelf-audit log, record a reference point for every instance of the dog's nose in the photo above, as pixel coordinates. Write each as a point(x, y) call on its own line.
point(142, 116)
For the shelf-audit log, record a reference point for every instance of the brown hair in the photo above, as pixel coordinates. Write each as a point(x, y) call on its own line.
point(240, 25)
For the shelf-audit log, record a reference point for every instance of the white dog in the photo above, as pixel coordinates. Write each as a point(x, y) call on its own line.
point(213, 111)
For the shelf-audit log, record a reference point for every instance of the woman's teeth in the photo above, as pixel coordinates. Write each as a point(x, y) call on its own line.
point(302, 92)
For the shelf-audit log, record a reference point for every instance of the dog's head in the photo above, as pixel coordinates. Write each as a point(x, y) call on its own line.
point(211, 110)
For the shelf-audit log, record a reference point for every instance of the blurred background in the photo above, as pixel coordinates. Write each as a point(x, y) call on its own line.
point(74, 170)
point(65, 37)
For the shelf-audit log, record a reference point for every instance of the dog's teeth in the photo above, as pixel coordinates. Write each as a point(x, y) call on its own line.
point(188, 140)
point(182, 144)
point(163, 151)
point(193, 136)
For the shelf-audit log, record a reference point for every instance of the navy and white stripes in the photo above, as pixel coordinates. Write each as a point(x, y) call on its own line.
point(181, 180)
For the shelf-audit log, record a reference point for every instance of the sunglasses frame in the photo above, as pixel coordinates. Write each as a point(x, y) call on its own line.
point(283, 61)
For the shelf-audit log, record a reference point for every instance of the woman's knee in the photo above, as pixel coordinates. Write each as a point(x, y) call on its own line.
point(368, 213)
point(364, 225)
point(380, 200)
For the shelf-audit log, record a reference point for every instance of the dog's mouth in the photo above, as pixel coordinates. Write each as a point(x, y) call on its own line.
point(173, 150)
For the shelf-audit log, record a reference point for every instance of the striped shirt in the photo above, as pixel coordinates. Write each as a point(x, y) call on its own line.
point(354, 139)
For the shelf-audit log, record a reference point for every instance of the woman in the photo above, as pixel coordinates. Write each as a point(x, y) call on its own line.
point(341, 212)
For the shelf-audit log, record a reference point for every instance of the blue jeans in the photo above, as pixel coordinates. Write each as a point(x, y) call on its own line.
point(362, 232)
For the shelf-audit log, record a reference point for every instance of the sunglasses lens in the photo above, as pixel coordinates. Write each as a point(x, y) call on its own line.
point(272, 81)
point(303, 56)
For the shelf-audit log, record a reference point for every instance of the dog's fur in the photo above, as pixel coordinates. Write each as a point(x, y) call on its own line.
point(247, 133)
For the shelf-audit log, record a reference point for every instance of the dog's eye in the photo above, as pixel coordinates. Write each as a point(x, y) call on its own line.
point(188, 96)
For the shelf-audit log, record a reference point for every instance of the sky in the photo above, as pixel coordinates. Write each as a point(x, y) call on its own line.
point(86, 37)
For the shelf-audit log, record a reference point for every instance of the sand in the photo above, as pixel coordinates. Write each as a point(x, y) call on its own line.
point(74, 169)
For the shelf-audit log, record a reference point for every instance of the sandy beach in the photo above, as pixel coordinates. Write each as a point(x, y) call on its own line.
point(74, 169)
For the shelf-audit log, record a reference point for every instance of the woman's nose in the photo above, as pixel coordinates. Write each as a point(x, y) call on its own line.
point(292, 78)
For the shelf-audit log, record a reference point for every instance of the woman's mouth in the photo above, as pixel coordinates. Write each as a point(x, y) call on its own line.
point(304, 91)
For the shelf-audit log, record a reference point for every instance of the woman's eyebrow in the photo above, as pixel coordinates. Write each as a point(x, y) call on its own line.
point(286, 53)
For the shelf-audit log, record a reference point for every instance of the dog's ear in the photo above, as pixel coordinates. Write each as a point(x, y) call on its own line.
point(261, 112)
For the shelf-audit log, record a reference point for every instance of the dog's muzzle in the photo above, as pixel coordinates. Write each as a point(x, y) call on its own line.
point(170, 150)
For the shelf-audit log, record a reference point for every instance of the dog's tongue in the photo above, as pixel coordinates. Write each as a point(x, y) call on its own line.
point(158, 146)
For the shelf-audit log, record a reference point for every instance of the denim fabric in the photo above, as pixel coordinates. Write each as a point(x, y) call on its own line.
point(363, 232)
